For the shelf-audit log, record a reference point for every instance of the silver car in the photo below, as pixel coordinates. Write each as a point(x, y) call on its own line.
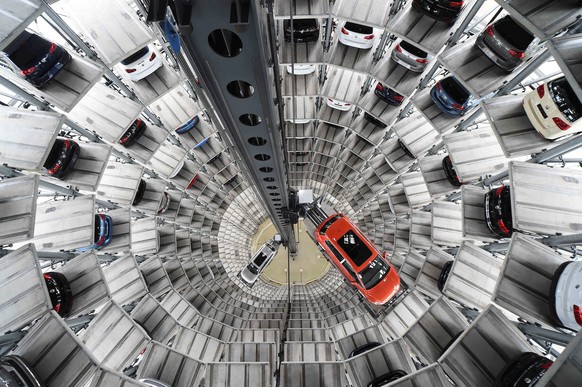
point(260, 261)
point(410, 56)
point(506, 43)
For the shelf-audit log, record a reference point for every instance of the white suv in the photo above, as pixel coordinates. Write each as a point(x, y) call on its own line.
point(554, 109)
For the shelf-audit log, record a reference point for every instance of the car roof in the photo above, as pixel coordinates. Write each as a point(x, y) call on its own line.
point(342, 226)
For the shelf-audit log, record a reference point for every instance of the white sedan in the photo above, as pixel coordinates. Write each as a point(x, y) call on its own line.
point(339, 105)
point(142, 63)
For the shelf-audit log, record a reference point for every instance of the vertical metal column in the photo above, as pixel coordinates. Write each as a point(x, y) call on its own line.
point(230, 44)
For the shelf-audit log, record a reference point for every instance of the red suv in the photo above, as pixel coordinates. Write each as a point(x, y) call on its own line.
point(358, 259)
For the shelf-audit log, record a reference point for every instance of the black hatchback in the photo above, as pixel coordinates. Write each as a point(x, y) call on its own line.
point(304, 30)
point(388, 95)
point(450, 172)
point(62, 158)
point(60, 292)
point(441, 10)
point(498, 211)
point(132, 134)
point(38, 59)
point(525, 370)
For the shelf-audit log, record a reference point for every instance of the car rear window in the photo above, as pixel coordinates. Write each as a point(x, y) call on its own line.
point(513, 33)
point(132, 58)
point(304, 23)
point(374, 273)
point(54, 154)
point(413, 49)
point(252, 268)
point(355, 248)
point(565, 99)
point(455, 90)
point(359, 28)
point(25, 50)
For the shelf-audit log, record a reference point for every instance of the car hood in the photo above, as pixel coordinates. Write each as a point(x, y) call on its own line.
point(385, 289)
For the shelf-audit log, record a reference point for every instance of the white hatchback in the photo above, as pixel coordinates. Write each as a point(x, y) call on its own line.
point(142, 63)
point(339, 105)
point(566, 295)
point(300, 69)
point(260, 261)
point(357, 35)
point(554, 109)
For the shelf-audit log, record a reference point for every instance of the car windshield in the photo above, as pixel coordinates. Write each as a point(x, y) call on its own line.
point(355, 248)
point(359, 28)
point(27, 50)
point(252, 268)
point(455, 90)
point(565, 99)
point(374, 273)
point(328, 223)
point(413, 49)
point(513, 33)
point(132, 58)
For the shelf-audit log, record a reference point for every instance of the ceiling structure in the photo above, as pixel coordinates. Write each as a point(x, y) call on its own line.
point(165, 290)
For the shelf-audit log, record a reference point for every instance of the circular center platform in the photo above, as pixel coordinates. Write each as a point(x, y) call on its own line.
point(306, 266)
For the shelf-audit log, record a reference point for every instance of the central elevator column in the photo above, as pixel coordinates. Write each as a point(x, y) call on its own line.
point(231, 44)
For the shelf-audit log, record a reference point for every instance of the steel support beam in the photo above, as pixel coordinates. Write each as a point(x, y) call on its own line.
point(236, 46)
point(532, 330)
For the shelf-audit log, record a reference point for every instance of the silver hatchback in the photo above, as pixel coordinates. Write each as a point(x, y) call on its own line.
point(410, 56)
point(506, 43)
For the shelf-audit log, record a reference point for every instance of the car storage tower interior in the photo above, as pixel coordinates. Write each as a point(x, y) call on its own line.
point(163, 300)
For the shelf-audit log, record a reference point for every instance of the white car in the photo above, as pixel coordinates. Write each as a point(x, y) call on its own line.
point(260, 261)
point(339, 105)
point(142, 63)
point(301, 69)
point(154, 382)
point(554, 109)
point(566, 295)
point(357, 35)
point(299, 121)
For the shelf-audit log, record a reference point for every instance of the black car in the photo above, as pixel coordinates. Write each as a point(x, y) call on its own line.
point(38, 59)
point(450, 172)
point(405, 149)
point(388, 95)
point(304, 30)
point(374, 121)
point(16, 372)
point(498, 211)
point(442, 10)
point(523, 371)
point(505, 42)
point(62, 158)
point(60, 292)
point(364, 348)
point(387, 378)
point(444, 275)
point(141, 188)
point(134, 132)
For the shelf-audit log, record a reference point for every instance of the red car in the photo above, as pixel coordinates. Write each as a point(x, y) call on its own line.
point(358, 259)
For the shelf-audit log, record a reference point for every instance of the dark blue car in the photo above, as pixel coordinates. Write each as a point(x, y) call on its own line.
point(188, 125)
point(388, 95)
point(452, 97)
point(103, 233)
point(38, 59)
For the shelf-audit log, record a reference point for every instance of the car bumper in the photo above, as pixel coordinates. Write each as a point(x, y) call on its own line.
point(544, 126)
point(357, 43)
point(507, 65)
point(142, 73)
point(435, 12)
point(300, 69)
point(342, 108)
point(410, 65)
point(444, 108)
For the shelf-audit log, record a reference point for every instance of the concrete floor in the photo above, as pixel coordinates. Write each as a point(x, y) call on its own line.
point(308, 265)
